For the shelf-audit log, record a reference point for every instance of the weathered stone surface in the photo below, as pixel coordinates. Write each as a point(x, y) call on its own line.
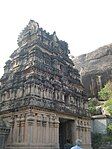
point(95, 62)
point(99, 123)
point(42, 96)
point(95, 68)
point(4, 132)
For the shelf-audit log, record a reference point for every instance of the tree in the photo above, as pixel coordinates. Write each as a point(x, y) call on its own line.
point(109, 129)
point(92, 103)
point(106, 95)
point(108, 106)
point(106, 92)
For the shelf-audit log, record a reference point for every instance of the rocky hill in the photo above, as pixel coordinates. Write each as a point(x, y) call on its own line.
point(95, 68)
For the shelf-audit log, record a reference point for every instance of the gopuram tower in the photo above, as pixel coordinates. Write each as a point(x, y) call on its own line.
point(42, 100)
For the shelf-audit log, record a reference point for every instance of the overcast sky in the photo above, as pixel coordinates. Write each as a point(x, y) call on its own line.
point(84, 24)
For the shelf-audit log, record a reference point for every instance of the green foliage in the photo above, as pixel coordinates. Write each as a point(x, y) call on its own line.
point(106, 92)
point(106, 95)
point(108, 106)
point(106, 139)
point(96, 140)
point(99, 140)
point(92, 103)
point(109, 129)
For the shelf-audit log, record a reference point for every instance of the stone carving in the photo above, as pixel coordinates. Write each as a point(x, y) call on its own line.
point(33, 26)
point(4, 131)
point(38, 87)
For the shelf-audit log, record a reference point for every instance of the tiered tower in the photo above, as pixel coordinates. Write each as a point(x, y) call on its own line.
point(42, 98)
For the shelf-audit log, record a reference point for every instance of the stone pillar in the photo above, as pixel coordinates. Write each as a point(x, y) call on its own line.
point(63, 97)
point(77, 131)
point(54, 131)
point(15, 135)
point(39, 91)
point(46, 93)
point(28, 89)
point(51, 97)
point(74, 132)
point(89, 137)
point(22, 121)
point(30, 121)
point(58, 95)
point(56, 134)
point(55, 94)
point(44, 123)
point(85, 135)
point(11, 130)
point(32, 88)
point(51, 94)
point(50, 130)
point(39, 125)
point(18, 129)
point(42, 93)
point(36, 90)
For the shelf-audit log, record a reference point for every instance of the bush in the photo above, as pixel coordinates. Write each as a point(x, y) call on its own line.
point(107, 139)
point(99, 140)
point(109, 129)
point(96, 140)
point(92, 103)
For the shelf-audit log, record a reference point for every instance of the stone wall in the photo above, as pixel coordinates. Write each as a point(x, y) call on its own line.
point(99, 123)
point(32, 128)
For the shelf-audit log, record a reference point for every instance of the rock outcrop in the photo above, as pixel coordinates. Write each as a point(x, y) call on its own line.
point(95, 69)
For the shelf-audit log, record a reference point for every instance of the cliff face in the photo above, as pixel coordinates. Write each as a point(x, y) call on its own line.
point(95, 68)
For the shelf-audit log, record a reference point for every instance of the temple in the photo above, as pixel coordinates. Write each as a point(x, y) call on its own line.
point(42, 100)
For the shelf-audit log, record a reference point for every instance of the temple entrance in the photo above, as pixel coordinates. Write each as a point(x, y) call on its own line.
point(65, 131)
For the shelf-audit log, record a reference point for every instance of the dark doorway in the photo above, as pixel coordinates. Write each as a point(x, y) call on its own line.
point(65, 131)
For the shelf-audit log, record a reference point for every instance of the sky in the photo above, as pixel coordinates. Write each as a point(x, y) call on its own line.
point(84, 24)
